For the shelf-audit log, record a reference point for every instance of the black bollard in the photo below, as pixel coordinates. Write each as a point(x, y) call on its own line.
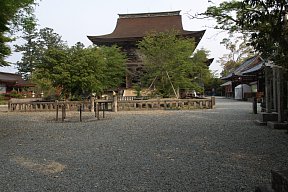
point(254, 105)
point(103, 108)
point(57, 110)
point(80, 109)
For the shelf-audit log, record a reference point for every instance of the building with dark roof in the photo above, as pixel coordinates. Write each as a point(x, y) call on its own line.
point(11, 81)
point(250, 72)
point(131, 28)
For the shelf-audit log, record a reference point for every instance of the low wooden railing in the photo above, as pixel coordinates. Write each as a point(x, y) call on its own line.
point(130, 98)
point(151, 104)
point(51, 106)
point(115, 105)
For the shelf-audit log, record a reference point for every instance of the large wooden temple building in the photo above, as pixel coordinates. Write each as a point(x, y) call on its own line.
point(131, 28)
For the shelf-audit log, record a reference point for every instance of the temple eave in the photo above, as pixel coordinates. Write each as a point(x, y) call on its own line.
point(112, 38)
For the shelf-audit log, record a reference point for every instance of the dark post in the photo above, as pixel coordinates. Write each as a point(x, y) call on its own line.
point(64, 110)
point(92, 101)
point(94, 107)
point(63, 115)
point(97, 110)
point(115, 103)
point(103, 108)
point(268, 99)
point(255, 105)
point(80, 109)
point(274, 81)
point(280, 95)
point(57, 110)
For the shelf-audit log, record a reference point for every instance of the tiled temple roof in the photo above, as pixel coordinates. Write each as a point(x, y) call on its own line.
point(133, 27)
point(14, 79)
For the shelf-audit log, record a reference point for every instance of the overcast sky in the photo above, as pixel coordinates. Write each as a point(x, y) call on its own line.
point(75, 19)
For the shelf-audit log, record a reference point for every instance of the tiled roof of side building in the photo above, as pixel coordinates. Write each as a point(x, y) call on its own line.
point(136, 26)
point(13, 78)
point(246, 65)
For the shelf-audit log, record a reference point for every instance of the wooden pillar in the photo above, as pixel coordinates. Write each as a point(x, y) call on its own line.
point(280, 95)
point(103, 110)
point(275, 89)
point(268, 88)
point(97, 110)
point(92, 102)
point(115, 103)
point(57, 110)
point(80, 110)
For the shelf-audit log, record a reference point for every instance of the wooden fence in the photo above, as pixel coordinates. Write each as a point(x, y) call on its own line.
point(164, 104)
point(51, 106)
point(115, 105)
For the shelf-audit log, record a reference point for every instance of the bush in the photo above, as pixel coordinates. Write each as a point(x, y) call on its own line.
point(14, 94)
point(2, 99)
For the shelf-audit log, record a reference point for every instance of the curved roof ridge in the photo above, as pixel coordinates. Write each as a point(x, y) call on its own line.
point(149, 14)
point(131, 26)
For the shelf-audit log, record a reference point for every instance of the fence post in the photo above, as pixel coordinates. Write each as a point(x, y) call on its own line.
point(63, 111)
point(103, 108)
point(255, 105)
point(92, 101)
point(97, 110)
point(57, 108)
point(80, 110)
point(115, 104)
point(213, 101)
point(9, 105)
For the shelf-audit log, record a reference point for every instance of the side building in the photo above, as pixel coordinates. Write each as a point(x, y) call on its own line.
point(247, 80)
point(13, 82)
point(131, 28)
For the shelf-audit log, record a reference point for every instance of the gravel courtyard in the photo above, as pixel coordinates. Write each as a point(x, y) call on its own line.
point(214, 150)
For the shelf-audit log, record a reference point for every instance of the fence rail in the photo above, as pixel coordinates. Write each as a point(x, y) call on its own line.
point(115, 105)
point(163, 104)
point(51, 106)
point(130, 98)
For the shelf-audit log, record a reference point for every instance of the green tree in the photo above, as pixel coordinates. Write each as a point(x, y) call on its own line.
point(28, 49)
point(11, 14)
point(36, 44)
point(168, 63)
point(80, 71)
point(239, 50)
point(264, 21)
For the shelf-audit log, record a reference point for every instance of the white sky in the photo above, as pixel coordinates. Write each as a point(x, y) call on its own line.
point(75, 19)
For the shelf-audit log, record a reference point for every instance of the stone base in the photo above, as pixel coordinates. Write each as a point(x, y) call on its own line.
point(280, 180)
point(261, 123)
point(277, 125)
point(266, 188)
point(265, 117)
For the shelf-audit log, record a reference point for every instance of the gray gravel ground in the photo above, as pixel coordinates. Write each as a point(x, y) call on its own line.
point(204, 150)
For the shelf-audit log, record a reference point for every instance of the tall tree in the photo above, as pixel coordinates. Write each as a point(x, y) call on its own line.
point(168, 63)
point(36, 43)
point(28, 49)
point(265, 21)
point(80, 71)
point(239, 50)
point(11, 14)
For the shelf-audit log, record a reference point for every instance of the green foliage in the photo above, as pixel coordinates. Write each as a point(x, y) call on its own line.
point(44, 85)
point(36, 43)
point(15, 94)
point(214, 84)
point(80, 71)
point(264, 22)
point(168, 63)
point(239, 51)
point(12, 13)
point(2, 99)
